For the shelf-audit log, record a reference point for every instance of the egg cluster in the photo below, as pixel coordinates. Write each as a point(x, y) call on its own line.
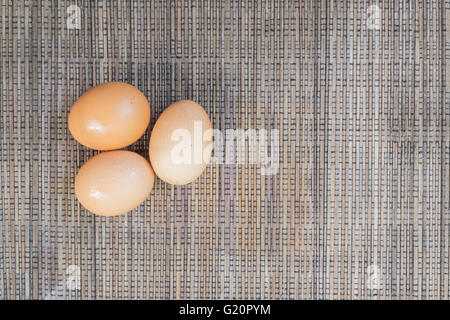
point(114, 115)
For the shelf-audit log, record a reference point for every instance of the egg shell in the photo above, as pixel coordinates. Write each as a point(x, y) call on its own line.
point(114, 182)
point(109, 116)
point(184, 115)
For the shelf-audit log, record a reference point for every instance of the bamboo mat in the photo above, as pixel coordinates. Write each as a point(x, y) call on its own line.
point(358, 209)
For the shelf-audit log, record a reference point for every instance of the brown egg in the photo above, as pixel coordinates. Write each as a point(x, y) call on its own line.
point(109, 116)
point(114, 182)
point(180, 143)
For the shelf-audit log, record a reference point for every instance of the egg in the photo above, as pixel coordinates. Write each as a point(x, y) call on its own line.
point(114, 182)
point(109, 116)
point(181, 143)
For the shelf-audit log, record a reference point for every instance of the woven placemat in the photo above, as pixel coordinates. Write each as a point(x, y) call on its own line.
point(358, 91)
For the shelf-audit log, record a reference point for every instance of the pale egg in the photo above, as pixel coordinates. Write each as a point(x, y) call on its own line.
point(114, 182)
point(181, 143)
point(109, 116)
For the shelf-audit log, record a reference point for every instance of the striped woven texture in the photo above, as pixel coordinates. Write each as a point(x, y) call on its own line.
point(359, 208)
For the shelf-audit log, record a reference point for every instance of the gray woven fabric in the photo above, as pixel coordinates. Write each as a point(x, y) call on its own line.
point(360, 96)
